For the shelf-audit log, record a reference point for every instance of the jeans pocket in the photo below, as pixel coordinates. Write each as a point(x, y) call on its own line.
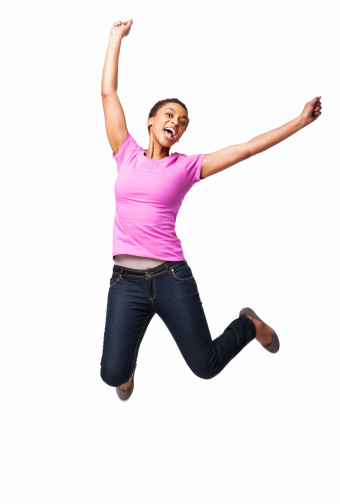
point(115, 278)
point(182, 272)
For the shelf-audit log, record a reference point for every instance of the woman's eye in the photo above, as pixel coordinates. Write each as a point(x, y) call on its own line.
point(170, 115)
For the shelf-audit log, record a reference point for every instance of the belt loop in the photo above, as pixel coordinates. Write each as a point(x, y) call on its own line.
point(122, 272)
point(167, 267)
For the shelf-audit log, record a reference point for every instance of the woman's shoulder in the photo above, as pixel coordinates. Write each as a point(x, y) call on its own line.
point(187, 158)
point(128, 145)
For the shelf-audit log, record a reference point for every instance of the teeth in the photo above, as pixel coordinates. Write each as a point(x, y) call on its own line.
point(170, 130)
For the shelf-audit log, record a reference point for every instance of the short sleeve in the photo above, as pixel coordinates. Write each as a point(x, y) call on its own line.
point(126, 151)
point(193, 166)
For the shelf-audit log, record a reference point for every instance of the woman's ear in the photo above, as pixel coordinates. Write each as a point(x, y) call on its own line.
point(149, 122)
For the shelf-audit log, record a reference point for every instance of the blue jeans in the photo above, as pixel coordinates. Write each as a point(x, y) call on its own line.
point(170, 290)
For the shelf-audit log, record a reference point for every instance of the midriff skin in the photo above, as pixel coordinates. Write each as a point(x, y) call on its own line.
point(137, 262)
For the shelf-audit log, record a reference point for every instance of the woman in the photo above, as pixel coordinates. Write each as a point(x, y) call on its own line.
point(150, 274)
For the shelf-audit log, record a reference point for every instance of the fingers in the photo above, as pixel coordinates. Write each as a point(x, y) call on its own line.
point(120, 23)
point(121, 28)
point(316, 106)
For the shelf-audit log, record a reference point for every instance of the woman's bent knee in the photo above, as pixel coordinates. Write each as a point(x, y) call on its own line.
point(205, 374)
point(204, 368)
point(112, 377)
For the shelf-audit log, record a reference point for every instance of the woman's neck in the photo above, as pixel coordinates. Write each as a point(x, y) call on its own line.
point(156, 150)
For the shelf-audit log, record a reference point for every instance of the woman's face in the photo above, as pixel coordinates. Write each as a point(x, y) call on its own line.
point(169, 123)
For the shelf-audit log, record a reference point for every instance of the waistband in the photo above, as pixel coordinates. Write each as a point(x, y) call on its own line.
point(147, 273)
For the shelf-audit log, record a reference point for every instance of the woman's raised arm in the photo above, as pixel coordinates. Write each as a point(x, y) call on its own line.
point(222, 159)
point(115, 123)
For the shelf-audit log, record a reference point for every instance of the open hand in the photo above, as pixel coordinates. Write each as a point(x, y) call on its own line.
point(311, 111)
point(121, 28)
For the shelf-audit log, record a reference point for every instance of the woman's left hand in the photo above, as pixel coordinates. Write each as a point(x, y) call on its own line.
point(311, 111)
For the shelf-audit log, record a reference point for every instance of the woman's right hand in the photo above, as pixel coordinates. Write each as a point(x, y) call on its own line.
point(121, 28)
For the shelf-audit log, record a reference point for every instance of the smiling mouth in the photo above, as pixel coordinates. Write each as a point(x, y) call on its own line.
point(169, 133)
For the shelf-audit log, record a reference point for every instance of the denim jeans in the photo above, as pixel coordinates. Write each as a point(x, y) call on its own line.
point(170, 290)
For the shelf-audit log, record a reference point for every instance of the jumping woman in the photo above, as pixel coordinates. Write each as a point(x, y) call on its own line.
point(150, 273)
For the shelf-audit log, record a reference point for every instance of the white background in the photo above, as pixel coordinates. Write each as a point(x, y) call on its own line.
point(261, 234)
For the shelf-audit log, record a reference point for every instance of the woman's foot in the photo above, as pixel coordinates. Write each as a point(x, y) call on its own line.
point(126, 386)
point(264, 334)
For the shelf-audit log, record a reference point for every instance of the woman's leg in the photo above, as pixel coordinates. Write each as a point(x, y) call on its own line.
point(179, 305)
point(128, 315)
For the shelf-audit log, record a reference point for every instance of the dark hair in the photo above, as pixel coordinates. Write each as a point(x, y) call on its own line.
point(160, 104)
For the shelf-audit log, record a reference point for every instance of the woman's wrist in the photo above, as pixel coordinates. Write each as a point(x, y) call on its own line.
point(115, 37)
point(301, 122)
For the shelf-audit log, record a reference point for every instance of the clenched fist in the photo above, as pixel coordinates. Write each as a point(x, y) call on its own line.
point(311, 111)
point(121, 28)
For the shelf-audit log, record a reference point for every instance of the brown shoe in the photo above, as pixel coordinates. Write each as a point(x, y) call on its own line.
point(275, 344)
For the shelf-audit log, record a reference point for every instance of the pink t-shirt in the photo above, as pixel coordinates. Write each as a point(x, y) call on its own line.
point(149, 193)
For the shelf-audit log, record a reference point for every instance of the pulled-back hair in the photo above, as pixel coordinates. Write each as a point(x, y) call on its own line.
point(160, 104)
